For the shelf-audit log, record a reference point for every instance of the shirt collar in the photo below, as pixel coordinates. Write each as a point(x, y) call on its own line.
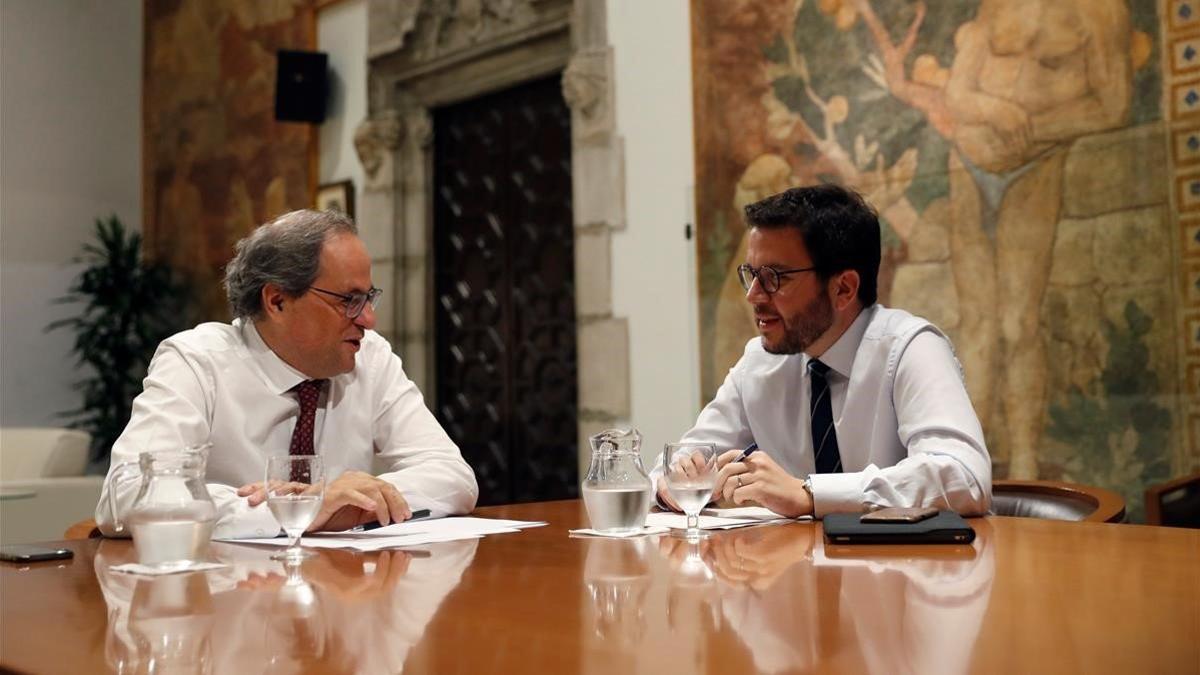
point(840, 357)
point(275, 372)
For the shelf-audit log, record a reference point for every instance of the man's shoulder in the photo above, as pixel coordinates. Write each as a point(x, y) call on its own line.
point(211, 336)
point(375, 349)
point(887, 322)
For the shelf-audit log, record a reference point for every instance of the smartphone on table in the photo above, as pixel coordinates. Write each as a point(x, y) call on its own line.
point(25, 553)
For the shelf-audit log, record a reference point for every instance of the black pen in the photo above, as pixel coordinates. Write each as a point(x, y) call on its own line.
point(747, 452)
point(374, 524)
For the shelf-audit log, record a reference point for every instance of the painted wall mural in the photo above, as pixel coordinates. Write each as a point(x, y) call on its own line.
point(216, 161)
point(1017, 152)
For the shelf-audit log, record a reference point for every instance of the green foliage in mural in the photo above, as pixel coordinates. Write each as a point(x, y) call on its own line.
point(1147, 80)
point(1115, 430)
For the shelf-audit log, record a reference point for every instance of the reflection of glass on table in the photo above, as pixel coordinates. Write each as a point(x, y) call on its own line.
point(295, 625)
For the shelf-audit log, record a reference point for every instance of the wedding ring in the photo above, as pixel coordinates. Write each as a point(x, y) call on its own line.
point(739, 480)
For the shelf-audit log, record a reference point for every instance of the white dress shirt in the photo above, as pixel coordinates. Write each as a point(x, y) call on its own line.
point(906, 430)
point(221, 384)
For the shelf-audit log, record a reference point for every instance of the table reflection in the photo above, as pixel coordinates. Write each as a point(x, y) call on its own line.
point(616, 577)
point(796, 602)
point(340, 611)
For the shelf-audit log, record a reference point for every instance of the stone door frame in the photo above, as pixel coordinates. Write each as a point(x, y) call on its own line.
point(425, 54)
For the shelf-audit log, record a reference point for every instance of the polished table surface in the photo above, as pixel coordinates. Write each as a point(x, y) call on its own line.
point(1027, 596)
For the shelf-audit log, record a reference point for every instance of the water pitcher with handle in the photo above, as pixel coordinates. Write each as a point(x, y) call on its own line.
point(172, 516)
point(617, 491)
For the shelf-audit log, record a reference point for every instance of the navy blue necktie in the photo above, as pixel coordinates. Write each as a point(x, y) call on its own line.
point(825, 444)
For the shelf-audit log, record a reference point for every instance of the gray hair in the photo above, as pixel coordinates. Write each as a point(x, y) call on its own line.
point(285, 252)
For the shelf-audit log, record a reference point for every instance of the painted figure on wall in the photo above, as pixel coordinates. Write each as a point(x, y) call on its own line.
point(959, 121)
point(1028, 77)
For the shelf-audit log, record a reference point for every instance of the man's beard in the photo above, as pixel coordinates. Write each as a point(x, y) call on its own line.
point(800, 331)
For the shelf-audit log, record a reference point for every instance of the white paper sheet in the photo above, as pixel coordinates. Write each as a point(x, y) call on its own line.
point(588, 532)
point(678, 521)
point(756, 512)
point(152, 571)
point(411, 533)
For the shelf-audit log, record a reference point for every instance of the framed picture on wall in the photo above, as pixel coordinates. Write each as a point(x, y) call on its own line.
point(337, 196)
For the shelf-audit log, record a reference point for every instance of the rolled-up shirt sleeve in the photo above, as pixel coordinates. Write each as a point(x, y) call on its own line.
point(173, 412)
point(947, 466)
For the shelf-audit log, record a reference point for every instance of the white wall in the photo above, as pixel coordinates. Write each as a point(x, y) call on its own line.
point(342, 33)
point(653, 264)
point(70, 151)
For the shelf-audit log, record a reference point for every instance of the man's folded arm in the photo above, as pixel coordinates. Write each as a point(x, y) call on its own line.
point(722, 422)
point(423, 463)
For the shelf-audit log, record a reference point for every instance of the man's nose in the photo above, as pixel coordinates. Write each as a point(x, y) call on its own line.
point(366, 319)
point(755, 295)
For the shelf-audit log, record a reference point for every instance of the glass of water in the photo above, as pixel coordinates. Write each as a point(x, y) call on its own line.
point(295, 490)
point(690, 470)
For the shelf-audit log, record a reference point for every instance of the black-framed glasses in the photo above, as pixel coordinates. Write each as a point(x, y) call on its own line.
point(768, 277)
point(353, 303)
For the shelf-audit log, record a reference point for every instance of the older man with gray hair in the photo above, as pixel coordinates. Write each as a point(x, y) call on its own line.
point(299, 371)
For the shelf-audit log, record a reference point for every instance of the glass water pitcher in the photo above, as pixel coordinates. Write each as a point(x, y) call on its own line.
point(617, 491)
point(172, 516)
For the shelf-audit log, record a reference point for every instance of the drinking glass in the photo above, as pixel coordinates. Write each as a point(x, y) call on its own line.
point(295, 490)
point(690, 470)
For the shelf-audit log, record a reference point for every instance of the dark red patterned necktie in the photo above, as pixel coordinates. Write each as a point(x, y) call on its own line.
point(307, 392)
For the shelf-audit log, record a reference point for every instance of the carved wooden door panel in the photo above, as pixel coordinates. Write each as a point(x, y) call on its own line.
point(505, 296)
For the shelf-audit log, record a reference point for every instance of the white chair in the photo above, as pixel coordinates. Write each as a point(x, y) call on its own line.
point(43, 486)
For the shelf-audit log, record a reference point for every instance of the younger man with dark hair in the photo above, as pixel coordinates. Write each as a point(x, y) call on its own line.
point(853, 406)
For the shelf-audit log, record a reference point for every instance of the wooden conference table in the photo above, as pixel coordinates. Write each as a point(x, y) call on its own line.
point(1027, 596)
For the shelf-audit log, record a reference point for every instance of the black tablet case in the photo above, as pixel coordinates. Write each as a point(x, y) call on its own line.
point(947, 527)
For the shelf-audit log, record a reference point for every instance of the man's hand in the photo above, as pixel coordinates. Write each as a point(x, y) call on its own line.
point(353, 499)
point(688, 467)
point(759, 479)
point(664, 495)
point(758, 556)
point(256, 493)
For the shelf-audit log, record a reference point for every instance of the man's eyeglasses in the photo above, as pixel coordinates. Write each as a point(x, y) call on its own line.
point(768, 277)
point(353, 303)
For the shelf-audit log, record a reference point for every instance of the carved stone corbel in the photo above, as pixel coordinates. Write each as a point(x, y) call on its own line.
point(376, 140)
point(588, 89)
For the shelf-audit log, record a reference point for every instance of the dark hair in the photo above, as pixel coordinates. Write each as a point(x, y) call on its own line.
point(285, 252)
point(840, 230)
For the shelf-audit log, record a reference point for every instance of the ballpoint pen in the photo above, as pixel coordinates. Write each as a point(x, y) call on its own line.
point(374, 524)
point(747, 452)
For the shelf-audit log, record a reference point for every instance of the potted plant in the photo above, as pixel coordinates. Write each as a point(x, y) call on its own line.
point(129, 305)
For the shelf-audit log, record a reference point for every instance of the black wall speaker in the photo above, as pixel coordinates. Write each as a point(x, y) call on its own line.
point(301, 86)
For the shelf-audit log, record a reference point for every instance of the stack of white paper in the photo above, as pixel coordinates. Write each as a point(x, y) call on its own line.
point(718, 519)
point(411, 533)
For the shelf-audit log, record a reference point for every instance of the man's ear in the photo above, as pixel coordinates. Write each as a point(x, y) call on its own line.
point(273, 299)
point(844, 289)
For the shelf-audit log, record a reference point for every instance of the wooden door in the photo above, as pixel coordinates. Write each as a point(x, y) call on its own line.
point(505, 296)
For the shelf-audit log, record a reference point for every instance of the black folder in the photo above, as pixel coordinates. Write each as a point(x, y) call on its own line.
point(947, 527)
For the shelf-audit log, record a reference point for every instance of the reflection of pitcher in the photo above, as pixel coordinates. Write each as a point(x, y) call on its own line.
point(172, 516)
point(617, 578)
point(171, 621)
